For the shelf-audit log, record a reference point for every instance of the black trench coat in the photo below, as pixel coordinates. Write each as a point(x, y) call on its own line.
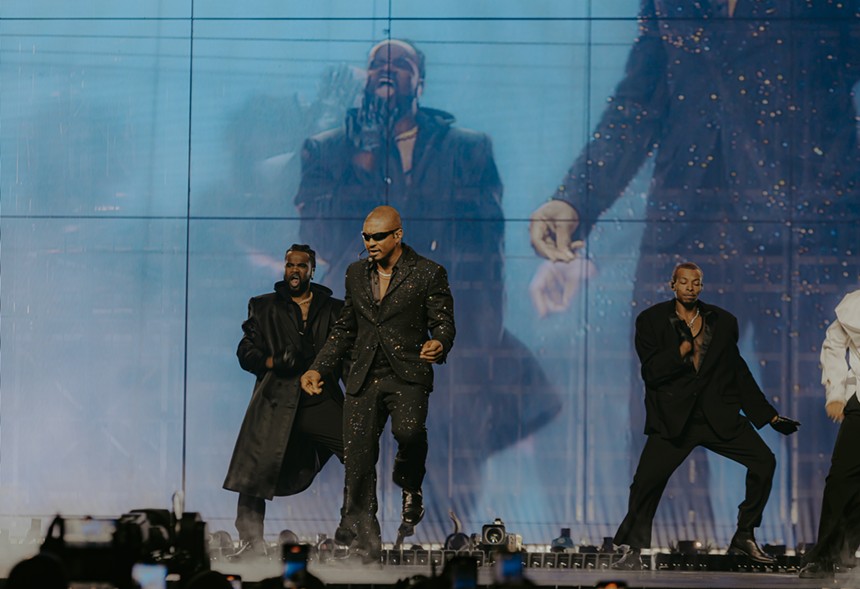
point(263, 464)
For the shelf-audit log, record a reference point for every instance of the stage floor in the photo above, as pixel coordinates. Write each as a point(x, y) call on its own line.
point(356, 576)
point(342, 574)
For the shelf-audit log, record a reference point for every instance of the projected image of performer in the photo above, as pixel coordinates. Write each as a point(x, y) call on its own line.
point(444, 181)
point(397, 321)
point(839, 526)
point(287, 435)
point(696, 385)
point(747, 109)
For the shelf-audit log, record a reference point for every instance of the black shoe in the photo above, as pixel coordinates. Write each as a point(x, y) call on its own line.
point(344, 536)
point(631, 561)
point(413, 507)
point(817, 570)
point(744, 544)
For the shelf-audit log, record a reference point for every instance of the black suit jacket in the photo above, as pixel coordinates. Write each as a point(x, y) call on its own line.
point(751, 116)
point(724, 382)
point(418, 302)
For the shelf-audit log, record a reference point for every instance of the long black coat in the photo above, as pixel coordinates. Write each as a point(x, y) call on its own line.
point(263, 464)
point(672, 385)
point(416, 307)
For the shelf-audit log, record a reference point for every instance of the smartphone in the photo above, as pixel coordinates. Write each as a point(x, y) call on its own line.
point(508, 567)
point(295, 557)
point(234, 580)
point(150, 576)
point(463, 572)
point(89, 531)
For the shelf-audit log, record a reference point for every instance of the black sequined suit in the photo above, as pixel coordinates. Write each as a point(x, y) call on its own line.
point(752, 128)
point(450, 203)
point(383, 341)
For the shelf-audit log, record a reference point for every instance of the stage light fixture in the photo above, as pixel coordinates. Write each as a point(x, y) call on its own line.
point(458, 541)
point(288, 537)
point(221, 545)
point(608, 545)
point(563, 543)
point(775, 549)
point(689, 547)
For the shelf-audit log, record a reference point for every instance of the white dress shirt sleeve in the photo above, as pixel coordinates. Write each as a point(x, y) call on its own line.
point(836, 375)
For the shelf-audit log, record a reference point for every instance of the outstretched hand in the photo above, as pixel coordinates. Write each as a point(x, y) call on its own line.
point(784, 425)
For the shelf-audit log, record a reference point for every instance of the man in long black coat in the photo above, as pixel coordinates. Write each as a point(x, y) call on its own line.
point(696, 385)
point(397, 321)
point(444, 182)
point(287, 436)
point(747, 109)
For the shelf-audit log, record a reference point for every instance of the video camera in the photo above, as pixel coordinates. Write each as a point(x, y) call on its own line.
point(106, 549)
point(494, 536)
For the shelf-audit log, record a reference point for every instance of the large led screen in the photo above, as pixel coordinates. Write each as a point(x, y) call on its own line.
point(157, 159)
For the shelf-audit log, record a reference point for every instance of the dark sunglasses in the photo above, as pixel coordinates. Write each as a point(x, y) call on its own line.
point(378, 236)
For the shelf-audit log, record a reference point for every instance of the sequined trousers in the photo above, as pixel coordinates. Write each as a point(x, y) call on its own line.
point(365, 416)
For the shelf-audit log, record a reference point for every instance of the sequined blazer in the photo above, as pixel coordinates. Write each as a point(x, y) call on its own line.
point(417, 307)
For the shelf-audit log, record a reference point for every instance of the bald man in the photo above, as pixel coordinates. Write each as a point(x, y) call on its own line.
point(397, 320)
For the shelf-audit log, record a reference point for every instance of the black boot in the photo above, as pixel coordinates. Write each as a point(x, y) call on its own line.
point(743, 543)
point(413, 507)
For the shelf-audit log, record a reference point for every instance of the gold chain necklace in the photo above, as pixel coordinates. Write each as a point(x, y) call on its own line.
point(691, 321)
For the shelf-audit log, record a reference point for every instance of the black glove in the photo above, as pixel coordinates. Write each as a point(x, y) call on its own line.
point(784, 425)
point(284, 363)
point(368, 126)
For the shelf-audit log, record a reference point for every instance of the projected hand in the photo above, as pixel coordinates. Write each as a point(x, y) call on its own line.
point(551, 228)
point(556, 283)
point(366, 127)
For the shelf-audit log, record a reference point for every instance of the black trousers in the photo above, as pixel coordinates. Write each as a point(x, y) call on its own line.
point(660, 458)
point(839, 526)
point(322, 424)
point(365, 416)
